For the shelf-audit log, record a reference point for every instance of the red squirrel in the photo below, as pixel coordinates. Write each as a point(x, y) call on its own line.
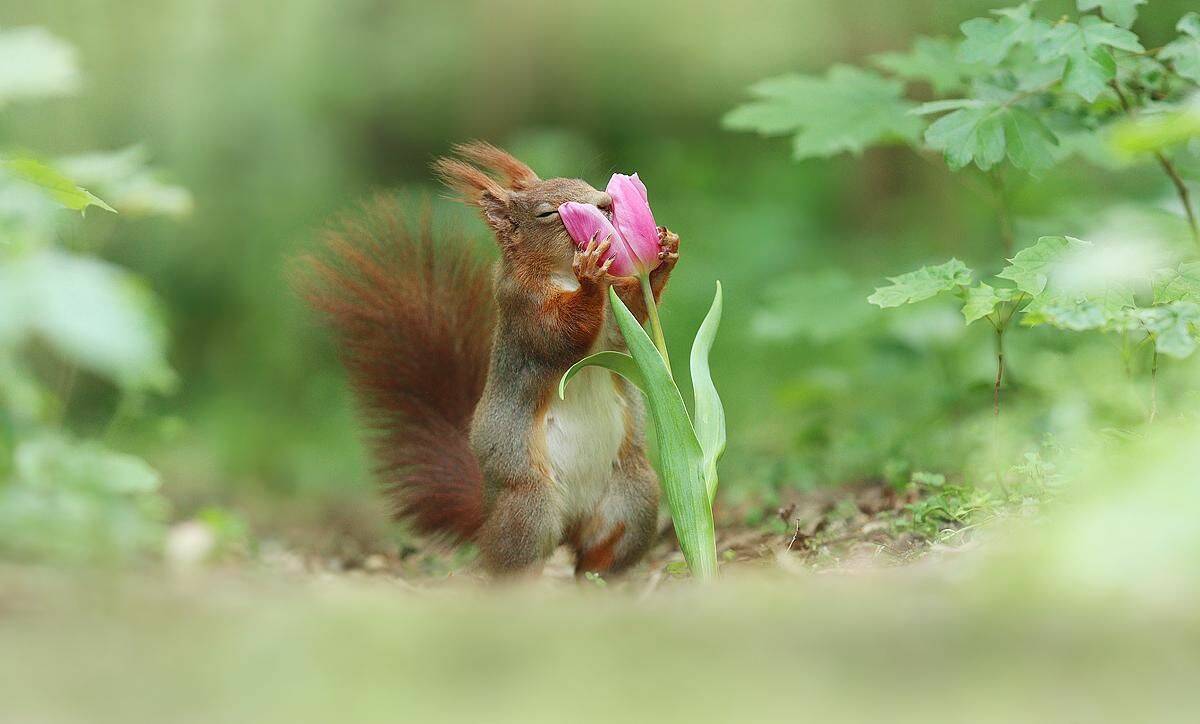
point(456, 367)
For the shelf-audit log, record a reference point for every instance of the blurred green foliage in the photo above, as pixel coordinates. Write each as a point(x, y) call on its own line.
point(276, 115)
point(63, 499)
point(1083, 613)
point(156, 368)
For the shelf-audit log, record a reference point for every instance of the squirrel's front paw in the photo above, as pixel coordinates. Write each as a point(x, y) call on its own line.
point(668, 247)
point(590, 266)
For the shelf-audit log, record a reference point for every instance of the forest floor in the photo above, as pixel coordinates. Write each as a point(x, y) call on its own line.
point(861, 603)
point(849, 528)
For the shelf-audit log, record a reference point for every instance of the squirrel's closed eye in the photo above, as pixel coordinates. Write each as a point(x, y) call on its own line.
point(547, 213)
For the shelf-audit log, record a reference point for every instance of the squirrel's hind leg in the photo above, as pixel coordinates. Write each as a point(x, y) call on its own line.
point(523, 527)
point(623, 527)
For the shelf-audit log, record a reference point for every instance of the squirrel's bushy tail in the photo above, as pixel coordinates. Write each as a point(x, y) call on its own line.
point(413, 320)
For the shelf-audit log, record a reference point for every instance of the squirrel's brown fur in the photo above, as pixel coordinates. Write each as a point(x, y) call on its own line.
point(458, 370)
point(413, 319)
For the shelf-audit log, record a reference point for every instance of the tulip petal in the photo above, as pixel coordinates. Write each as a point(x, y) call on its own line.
point(634, 220)
point(585, 223)
point(637, 183)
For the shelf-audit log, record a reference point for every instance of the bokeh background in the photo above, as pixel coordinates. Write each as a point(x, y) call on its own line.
point(264, 120)
point(279, 115)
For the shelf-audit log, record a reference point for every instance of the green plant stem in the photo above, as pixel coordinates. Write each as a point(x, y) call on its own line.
point(1154, 386)
point(999, 372)
point(1168, 167)
point(656, 331)
point(1004, 213)
point(1184, 196)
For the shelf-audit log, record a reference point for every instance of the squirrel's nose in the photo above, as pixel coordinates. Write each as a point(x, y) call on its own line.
point(603, 200)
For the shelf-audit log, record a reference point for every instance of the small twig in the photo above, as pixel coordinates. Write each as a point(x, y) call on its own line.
point(1153, 387)
point(1168, 167)
point(1004, 212)
point(1182, 190)
point(651, 586)
point(999, 372)
point(969, 182)
point(795, 535)
point(1029, 93)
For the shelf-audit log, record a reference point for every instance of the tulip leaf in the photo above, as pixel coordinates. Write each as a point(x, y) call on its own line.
point(618, 362)
point(680, 456)
point(709, 413)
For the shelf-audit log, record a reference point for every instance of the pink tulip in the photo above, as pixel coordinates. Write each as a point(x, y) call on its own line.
point(586, 223)
point(634, 220)
point(632, 232)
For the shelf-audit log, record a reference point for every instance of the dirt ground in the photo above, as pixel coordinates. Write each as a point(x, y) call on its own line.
point(844, 528)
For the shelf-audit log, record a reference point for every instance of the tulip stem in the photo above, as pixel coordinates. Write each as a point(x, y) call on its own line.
point(656, 331)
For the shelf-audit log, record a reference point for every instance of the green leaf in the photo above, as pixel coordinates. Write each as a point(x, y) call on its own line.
point(1077, 316)
point(618, 362)
point(1088, 74)
point(985, 133)
point(55, 463)
point(680, 455)
point(1031, 267)
point(989, 41)
point(932, 60)
point(1172, 326)
point(1180, 284)
point(1079, 313)
point(924, 283)
point(1121, 12)
point(1090, 65)
point(969, 135)
point(1184, 53)
point(709, 412)
point(124, 177)
point(982, 300)
point(1152, 132)
point(94, 314)
point(69, 501)
point(1030, 144)
point(847, 110)
point(952, 104)
point(35, 64)
point(58, 187)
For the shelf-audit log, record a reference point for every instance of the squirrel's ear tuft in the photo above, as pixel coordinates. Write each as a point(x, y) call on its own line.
point(516, 175)
point(477, 188)
point(466, 180)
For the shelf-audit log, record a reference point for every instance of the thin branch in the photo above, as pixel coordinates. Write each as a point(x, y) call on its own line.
point(1154, 387)
point(1184, 196)
point(999, 373)
point(1004, 213)
point(1180, 187)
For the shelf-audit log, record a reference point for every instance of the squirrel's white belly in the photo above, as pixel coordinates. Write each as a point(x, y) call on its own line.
point(584, 434)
